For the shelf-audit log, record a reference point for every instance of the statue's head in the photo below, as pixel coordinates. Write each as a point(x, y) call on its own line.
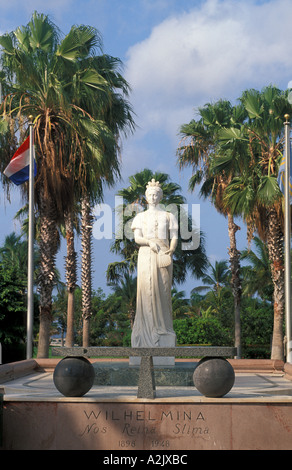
point(153, 190)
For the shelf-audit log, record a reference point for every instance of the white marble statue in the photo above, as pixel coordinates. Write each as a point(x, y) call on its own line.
point(156, 232)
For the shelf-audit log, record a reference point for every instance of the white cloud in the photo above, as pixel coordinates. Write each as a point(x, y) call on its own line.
point(213, 51)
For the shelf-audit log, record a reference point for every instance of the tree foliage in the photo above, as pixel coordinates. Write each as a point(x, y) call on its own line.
point(12, 305)
point(77, 101)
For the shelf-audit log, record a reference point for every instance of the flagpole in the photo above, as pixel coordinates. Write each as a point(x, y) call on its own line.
point(30, 302)
point(287, 238)
point(0, 105)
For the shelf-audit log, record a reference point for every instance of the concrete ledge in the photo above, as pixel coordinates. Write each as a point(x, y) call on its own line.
point(256, 365)
point(288, 370)
point(18, 369)
point(13, 370)
point(48, 365)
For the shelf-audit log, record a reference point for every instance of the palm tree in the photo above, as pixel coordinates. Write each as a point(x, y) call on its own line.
point(71, 276)
point(22, 216)
point(134, 200)
point(257, 278)
point(126, 289)
point(14, 251)
point(86, 267)
point(117, 114)
point(200, 148)
point(45, 77)
point(218, 277)
point(255, 194)
point(180, 305)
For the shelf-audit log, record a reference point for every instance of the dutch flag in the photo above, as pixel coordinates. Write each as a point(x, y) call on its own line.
point(18, 168)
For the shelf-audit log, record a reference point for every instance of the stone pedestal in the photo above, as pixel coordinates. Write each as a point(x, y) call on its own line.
point(165, 341)
point(157, 361)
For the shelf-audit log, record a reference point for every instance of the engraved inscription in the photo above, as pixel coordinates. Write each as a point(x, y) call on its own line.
point(158, 426)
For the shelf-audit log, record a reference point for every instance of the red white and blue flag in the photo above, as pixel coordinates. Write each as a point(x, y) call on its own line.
point(18, 169)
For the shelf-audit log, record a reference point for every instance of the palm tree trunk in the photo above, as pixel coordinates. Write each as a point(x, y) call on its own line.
point(276, 256)
point(48, 249)
point(234, 256)
point(71, 278)
point(86, 281)
point(70, 319)
point(132, 313)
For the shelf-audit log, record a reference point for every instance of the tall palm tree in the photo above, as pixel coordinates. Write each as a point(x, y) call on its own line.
point(86, 267)
point(200, 148)
point(117, 114)
point(255, 194)
point(45, 76)
point(71, 276)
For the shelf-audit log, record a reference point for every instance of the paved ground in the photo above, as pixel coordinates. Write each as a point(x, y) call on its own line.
point(248, 387)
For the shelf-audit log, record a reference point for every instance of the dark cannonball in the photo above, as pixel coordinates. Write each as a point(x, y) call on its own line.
point(214, 377)
point(74, 376)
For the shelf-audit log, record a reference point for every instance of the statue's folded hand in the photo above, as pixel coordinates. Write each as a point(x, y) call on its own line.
point(154, 247)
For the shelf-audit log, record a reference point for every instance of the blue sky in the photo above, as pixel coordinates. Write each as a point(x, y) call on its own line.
point(177, 55)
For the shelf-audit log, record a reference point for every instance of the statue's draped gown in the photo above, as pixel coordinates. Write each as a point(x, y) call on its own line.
point(153, 326)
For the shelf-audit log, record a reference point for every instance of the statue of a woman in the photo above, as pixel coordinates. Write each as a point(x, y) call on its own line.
point(156, 232)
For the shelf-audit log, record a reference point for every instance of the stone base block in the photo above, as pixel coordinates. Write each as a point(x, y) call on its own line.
point(157, 361)
point(153, 426)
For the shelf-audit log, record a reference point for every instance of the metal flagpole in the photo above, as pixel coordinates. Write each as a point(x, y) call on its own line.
point(287, 238)
point(30, 302)
point(0, 105)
